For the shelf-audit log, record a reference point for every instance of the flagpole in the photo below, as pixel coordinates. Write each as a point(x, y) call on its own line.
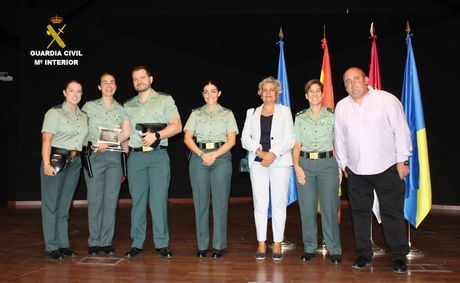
point(285, 244)
point(413, 251)
point(375, 248)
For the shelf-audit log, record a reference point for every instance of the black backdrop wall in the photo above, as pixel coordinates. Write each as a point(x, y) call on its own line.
point(235, 46)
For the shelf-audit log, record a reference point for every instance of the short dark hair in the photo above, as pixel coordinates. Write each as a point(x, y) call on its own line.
point(212, 83)
point(72, 81)
point(312, 82)
point(106, 74)
point(138, 68)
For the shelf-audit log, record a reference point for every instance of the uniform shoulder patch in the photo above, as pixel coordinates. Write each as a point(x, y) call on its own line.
point(59, 106)
point(130, 100)
point(330, 109)
point(163, 93)
point(301, 112)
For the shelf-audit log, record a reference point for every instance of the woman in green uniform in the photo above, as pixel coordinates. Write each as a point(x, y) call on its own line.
point(214, 129)
point(317, 174)
point(63, 133)
point(104, 184)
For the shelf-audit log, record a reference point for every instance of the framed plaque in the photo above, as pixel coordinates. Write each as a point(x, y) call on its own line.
point(110, 137)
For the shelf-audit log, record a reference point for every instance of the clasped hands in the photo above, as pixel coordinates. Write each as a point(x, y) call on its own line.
point(267, 157)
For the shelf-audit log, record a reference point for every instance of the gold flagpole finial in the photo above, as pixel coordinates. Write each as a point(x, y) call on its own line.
point(407, 28)
point(280, 34)
point(372, 30)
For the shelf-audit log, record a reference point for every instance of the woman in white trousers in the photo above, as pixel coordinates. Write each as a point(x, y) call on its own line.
point(268, 136)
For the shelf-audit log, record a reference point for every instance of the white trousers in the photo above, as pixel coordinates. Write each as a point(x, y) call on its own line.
point(270, 184)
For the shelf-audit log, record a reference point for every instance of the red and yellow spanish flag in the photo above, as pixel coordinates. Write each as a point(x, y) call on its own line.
point(326, 77)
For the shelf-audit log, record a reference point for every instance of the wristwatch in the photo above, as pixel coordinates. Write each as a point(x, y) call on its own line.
point(157, 135)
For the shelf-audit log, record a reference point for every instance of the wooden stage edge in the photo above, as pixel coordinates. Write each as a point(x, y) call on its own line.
point(232, 200)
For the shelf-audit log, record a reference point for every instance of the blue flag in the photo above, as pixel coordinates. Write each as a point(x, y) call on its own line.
point(418, 183)
point(285, 100)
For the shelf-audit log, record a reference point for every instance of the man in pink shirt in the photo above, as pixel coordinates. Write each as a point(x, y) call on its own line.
point(373, 144)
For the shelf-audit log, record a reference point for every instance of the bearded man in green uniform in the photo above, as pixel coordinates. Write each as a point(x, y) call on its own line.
point(148, 162)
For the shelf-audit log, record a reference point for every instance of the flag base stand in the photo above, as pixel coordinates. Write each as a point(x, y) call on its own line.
point(413, 251)
point(321, 249)
point(376, 250)
point(285, 245)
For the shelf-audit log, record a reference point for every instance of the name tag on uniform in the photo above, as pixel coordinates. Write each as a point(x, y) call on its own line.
point(313, 155)
point(210, 145)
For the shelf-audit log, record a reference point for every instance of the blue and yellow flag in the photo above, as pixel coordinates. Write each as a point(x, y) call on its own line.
point(418, 183)
point(285, 100)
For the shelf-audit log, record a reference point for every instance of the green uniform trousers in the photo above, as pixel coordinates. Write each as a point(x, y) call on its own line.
point(323, 182)
point(149, 176)
point(103, 189)
point(206, 180)
point(57, 194)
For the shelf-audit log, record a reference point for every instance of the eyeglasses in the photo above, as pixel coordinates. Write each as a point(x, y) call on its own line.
point(272, 90)
point(314, 91)
point(212, 91)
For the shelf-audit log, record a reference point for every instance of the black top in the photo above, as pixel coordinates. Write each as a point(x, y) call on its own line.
point(265, 130)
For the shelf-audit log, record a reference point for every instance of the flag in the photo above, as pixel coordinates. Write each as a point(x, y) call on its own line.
point(326, 77)
point(375, 81)
point(285, 100)
point(328, 98)
point(418, 183)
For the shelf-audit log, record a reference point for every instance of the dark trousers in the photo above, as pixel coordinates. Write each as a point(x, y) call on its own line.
point(390, 192)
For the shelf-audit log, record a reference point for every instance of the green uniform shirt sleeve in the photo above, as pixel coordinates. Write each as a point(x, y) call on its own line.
point(170, 111)
point(51, 122)
point(191, 123)
point(232, 126)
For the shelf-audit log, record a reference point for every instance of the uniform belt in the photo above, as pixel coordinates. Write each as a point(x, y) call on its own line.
point(209, 145)
point(316, 155)
point(132, 149)
point(66, 152)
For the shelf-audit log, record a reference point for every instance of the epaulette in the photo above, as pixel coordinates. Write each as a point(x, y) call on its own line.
point(330, 109)
point(196, 109)
point(162, 93)
point(59, 106)
point(130, 99)
point(225, 109)
point(301, 112)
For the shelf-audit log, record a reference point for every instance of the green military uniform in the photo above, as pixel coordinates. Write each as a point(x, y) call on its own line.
point(211, 127)
point(104, 187)
point(69, 130)
point(149, 172)
point(317, 135)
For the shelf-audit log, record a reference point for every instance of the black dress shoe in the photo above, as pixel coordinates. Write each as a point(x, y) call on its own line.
point(217, 254)
point(56, 255)
point(133, 252)
point(93, 250)
point(108, 250)
point(336, 259)
point(164, 252)
point(361, 262)
point(307, 256)
point(67, 252)
point(201, 253)
point(399, 266)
